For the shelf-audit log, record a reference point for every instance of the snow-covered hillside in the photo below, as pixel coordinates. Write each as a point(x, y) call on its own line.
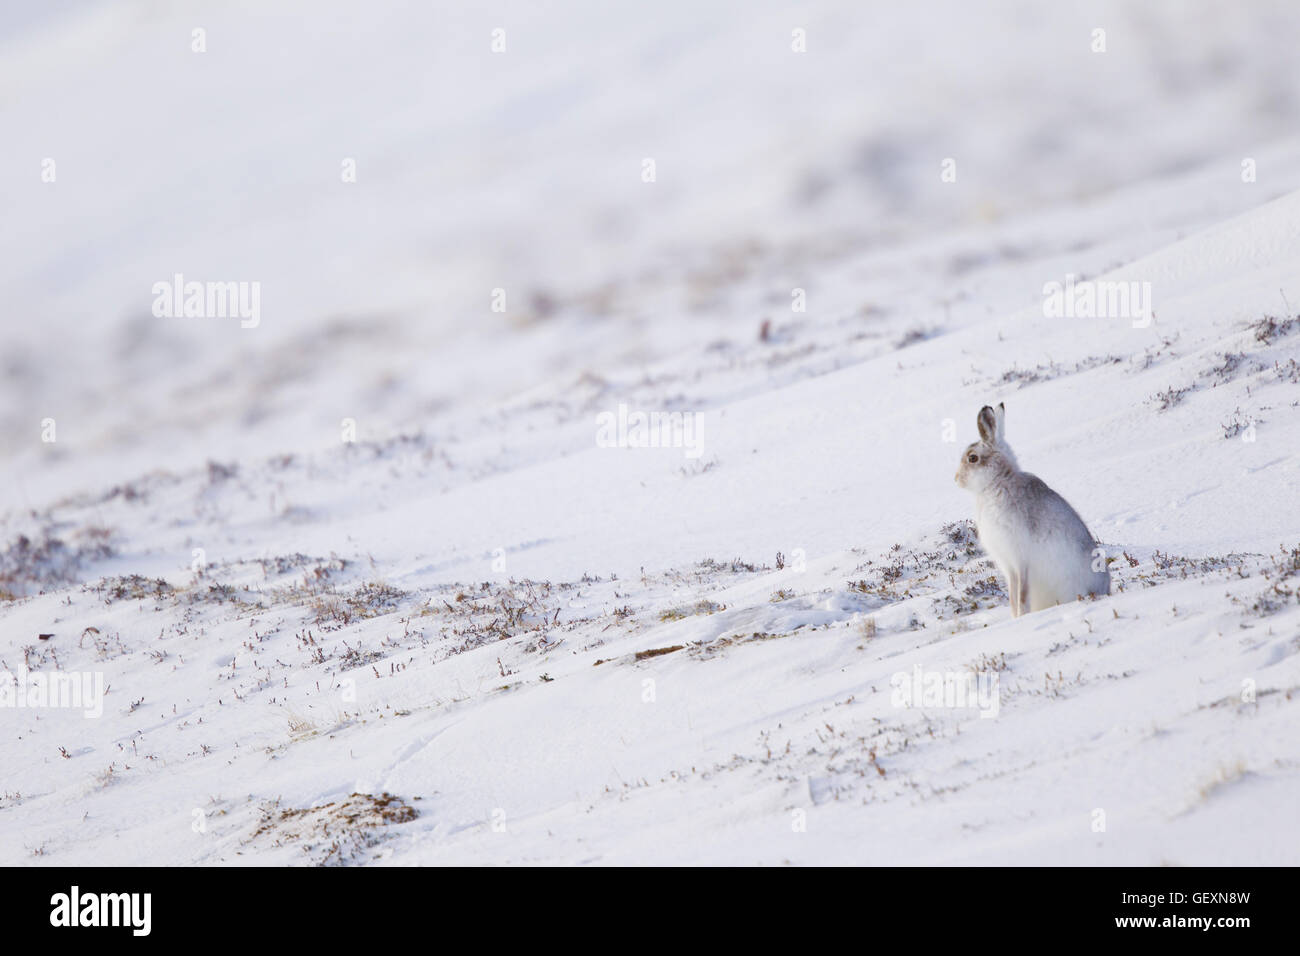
point(483, 632)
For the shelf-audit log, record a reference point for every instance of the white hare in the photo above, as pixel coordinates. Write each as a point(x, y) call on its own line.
point(1039, 543)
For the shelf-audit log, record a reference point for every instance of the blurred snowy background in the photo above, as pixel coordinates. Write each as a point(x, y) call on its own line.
point(521, 170)
point(445, 629)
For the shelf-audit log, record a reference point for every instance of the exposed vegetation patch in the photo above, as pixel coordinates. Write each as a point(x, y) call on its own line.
point(894, 578)
point(915, 335)
point(699, 607)
point(135, 587)
point(708, 649)
point(1046, 371)
point(734, 566)
point(1246, 358)
point(1269, 329)
point(43, 561)
point(657, 652)
point(283, 564)
point(1229, 366)
point(1238, 423)
point(984, 593)
point(1282, 583)
point(496, 612)
point(1165, 566)
point(336, 833)
point(372, 599)
point(1170, 398)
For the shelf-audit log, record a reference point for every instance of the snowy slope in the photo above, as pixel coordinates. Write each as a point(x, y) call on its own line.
point(476, 635)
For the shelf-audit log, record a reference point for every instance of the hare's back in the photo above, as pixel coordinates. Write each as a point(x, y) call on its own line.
point(1048, 515)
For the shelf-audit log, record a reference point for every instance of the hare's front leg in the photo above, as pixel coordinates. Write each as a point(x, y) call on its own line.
point(1013, 589)
point(1023, 578)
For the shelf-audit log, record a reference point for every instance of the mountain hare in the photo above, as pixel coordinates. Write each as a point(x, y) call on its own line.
point(1039, 543)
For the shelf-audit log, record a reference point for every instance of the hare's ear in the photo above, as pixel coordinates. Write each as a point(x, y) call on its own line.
point(1000, 423)
point(987, 422)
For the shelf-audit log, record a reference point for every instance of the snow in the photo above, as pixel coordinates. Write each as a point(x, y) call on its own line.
point(558, 652)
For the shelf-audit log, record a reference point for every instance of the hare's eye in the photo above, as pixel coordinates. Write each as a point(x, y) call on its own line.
point(973, 458)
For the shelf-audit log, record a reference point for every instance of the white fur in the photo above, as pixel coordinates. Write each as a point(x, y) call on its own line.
point(1038, 542)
